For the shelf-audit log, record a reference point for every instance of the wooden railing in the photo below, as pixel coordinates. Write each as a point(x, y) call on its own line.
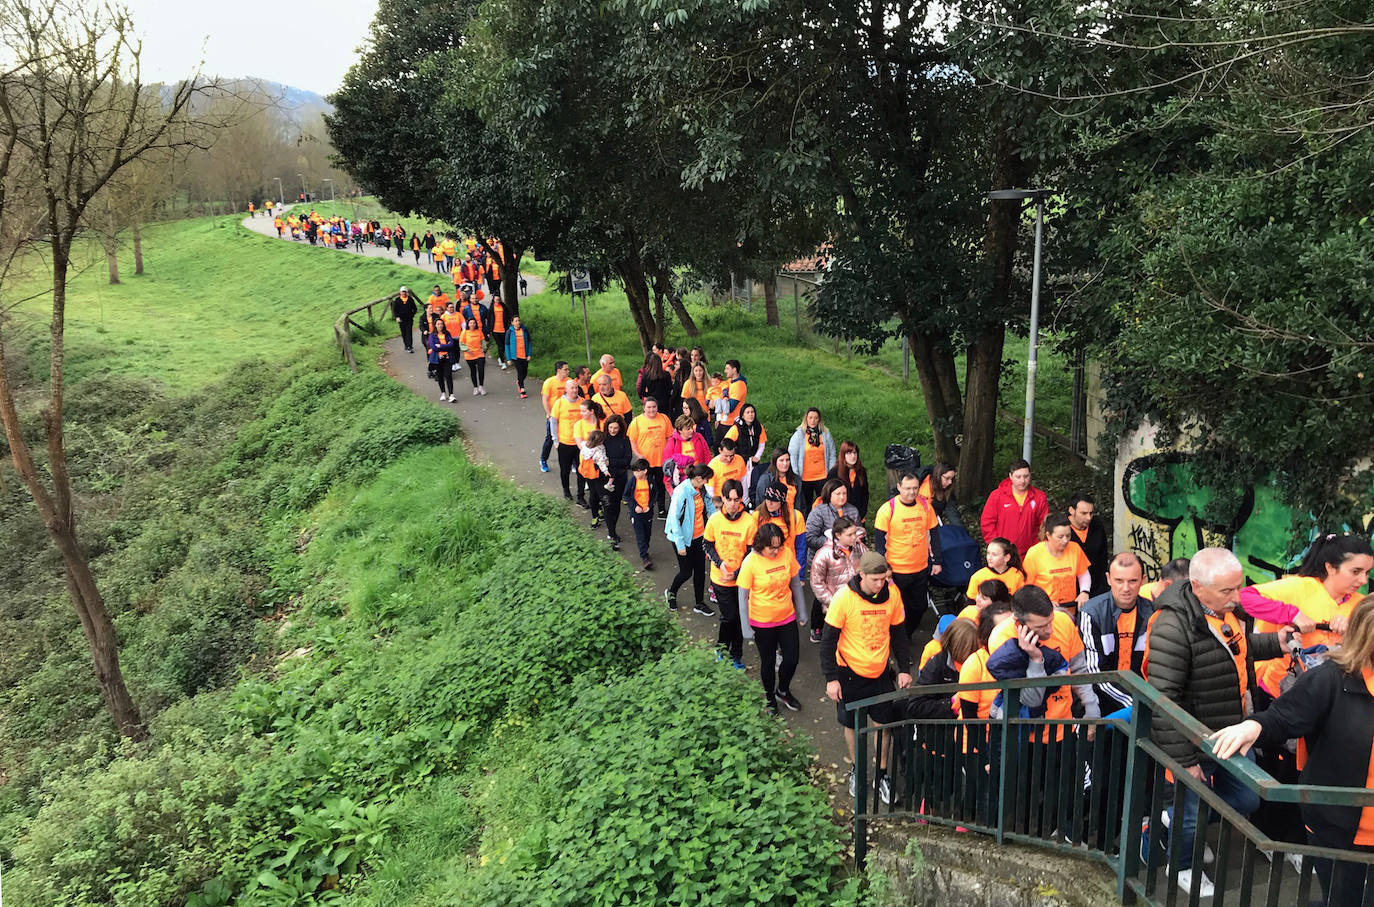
point(345, 323)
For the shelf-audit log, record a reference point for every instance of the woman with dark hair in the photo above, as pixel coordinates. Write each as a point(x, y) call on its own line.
point(441, 348)
point(813, 455)
point(654, 381)
point(1331, 707)
point(1057, 567)
point(778, 472)
point(770, 592)
point(938, 489)
point(751, 442)
point(775, 509)
point(849, 469)
point(832, 504)
point(686, 445)
point(1323, 591)
point(619, 454)
point(697, 413)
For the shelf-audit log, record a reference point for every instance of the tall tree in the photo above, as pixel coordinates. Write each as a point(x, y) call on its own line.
point(74, 113)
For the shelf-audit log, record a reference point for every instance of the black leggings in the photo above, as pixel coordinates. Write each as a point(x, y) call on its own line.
point(443, 373)
point(477, 369)
point(612, 503)
point(522, 369)
point(809, 492)
point(771, 640)
point(691, 565)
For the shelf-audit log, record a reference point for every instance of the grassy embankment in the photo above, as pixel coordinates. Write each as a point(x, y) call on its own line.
point(360, 683)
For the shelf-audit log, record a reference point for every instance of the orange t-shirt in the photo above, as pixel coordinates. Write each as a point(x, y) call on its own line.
point(582, 428)
point(1058, 576)
point(520, 345)
point(722, 472)
point(698, 515)
point(438, 303)
point(454, 323)
point(642, 493)
point(738, 390)
point(769, 581)
point(586, 468)
point(908, 529)
point(498, 314)
point(650, 436)
point(1310, 597)
point(732, 539)
point(813, 461)
point(472, 344)
point(789, 533)
point(1013, 579)
point(1125, 638)
point(975, 670)
point(930, 651)
point(865, 629)
point(553, 389)
point(969, 612)
point(616, 403)
point(614, 373)
point(687, 391)
point(568, 413)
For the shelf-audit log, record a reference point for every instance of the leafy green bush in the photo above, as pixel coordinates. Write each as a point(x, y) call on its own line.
point(669, 786)
point(139, 830)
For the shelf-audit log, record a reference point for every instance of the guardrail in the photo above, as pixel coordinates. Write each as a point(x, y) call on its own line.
point(343, 337)
point(1087, 787)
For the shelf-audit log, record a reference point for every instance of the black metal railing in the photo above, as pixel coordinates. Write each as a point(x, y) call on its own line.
point(1100, 788)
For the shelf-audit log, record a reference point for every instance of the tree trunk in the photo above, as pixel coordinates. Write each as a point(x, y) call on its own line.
point(983, 366)
point(510, 280)
point(637, 293)
point(138, 247)
point(663, 289)
point(940, 386)
point(660, 315)
point(770, 300)
point(56, 510)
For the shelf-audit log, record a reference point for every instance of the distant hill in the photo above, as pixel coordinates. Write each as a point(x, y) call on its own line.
point(300, 105)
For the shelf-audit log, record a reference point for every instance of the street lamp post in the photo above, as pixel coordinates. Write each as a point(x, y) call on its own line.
point(281, 193)
point(1038, 196)
point(331, 194)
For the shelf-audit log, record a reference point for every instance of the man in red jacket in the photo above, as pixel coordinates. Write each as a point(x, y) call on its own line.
point(1016, 509)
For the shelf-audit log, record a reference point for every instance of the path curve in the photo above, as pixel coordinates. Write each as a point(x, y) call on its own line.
point(505, 432)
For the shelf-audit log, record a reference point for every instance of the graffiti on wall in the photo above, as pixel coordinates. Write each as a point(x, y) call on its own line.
point(1170, 515)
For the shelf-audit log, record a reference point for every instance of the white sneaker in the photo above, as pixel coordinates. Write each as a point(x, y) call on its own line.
point(1291, 858)
point(443, 398)
point(476, 391)
point(1207, 855)
point(1185, 883)
point(503, 366)
point(483, 390)
point(885, 795)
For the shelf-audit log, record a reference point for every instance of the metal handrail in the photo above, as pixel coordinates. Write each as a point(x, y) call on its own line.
point(1144, 761)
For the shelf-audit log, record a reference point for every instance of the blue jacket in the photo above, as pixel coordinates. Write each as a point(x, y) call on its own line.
point(510, 343)
point(797, 448)
point(435, 346)
point(1009, 661)
point(681, 510)
point(1097, 626)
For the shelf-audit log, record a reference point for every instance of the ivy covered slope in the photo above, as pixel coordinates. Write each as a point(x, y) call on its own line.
point(447, 693)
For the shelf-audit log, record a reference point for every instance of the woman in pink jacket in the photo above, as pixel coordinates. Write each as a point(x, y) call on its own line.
point(831, 567)
point(686, 445)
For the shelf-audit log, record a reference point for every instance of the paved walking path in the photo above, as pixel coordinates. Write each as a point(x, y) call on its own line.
point(506, 432)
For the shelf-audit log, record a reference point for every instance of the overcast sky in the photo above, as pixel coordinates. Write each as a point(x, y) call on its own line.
point(303, 43)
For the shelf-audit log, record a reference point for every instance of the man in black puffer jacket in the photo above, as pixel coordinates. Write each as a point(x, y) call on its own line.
point(1201, 657)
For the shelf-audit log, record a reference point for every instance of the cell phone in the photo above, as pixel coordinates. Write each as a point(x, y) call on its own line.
point(1030, 636)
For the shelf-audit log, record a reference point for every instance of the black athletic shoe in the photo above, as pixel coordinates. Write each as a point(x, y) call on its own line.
point(703, 609)
point(815, 635)
point(787, 699)
point(582, 502)
point(773, 709)
point(615, 544)
point(670, 598)
point(648, 563)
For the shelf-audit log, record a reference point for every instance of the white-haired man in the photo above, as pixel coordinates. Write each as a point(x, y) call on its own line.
point(1200, 656)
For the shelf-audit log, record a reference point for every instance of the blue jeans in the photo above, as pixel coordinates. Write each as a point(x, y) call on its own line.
point(1236, 795)
point(548, 441)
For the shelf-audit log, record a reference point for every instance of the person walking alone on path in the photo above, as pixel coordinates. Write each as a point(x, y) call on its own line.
point(813, 448)
point(518, 351)
point(404, 309)
point(688, 512)
point(770, 599)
